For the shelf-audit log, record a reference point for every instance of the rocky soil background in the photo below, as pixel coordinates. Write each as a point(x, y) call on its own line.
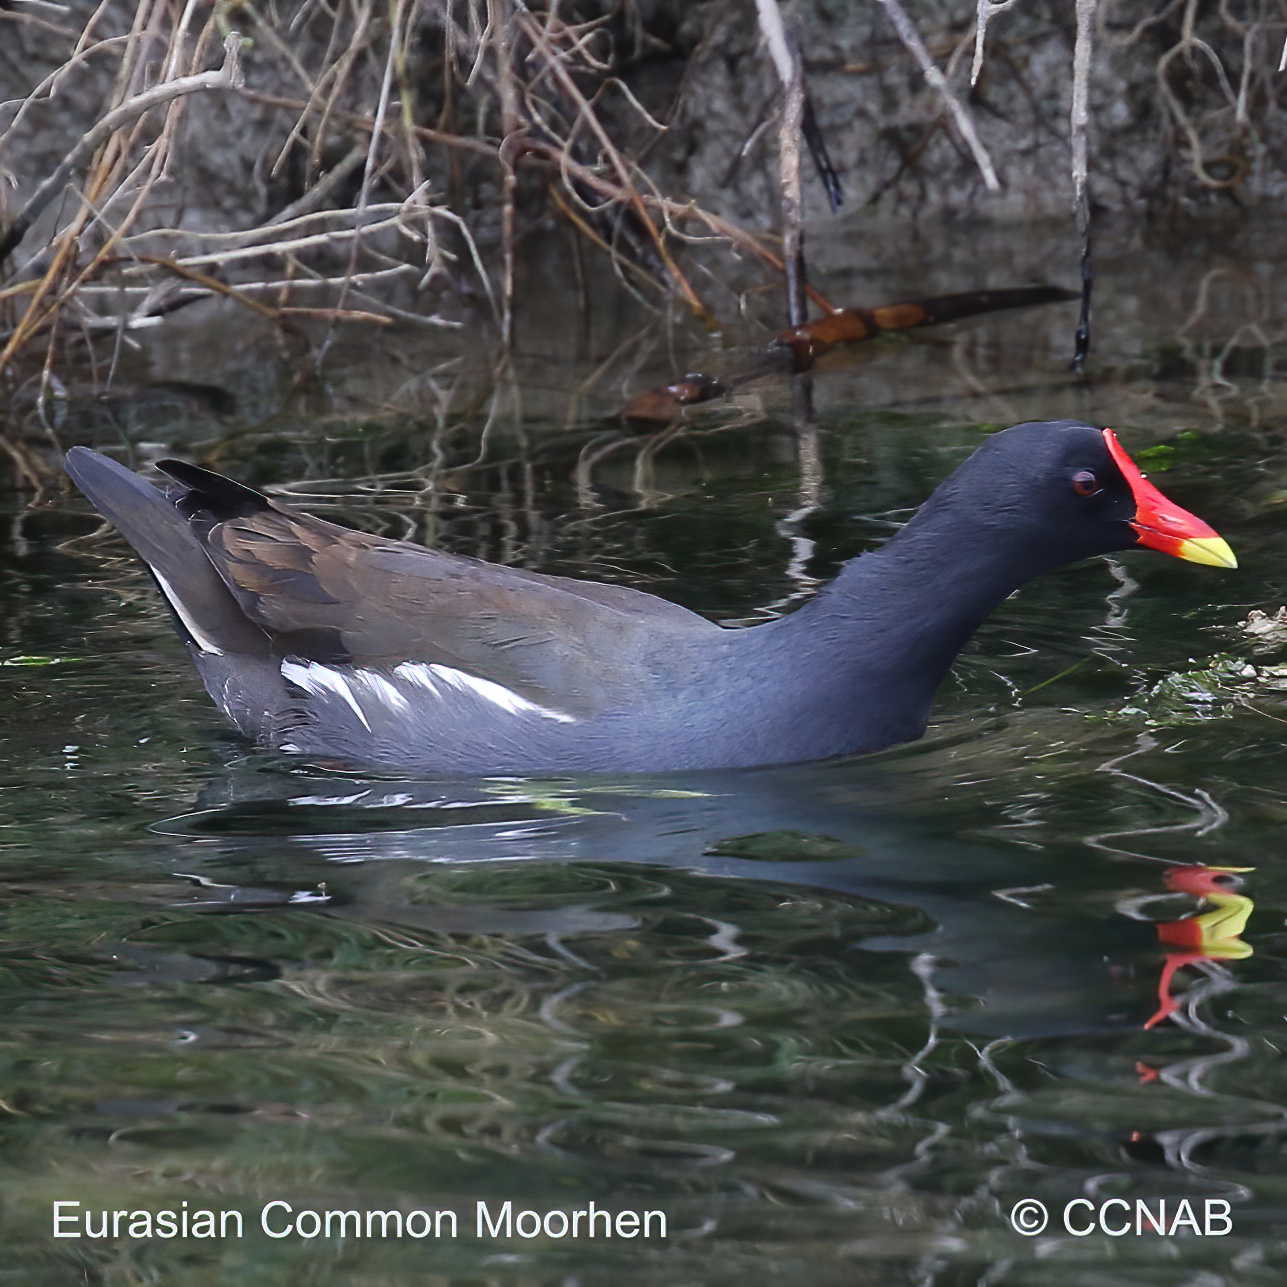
point(325, 167)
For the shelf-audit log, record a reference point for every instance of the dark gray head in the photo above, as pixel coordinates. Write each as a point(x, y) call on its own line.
point(1048, 493)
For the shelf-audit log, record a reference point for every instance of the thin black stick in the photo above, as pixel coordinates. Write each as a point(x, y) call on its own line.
point(821, 157)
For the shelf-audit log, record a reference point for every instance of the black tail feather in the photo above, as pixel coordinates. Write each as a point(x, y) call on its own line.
point(211, 495)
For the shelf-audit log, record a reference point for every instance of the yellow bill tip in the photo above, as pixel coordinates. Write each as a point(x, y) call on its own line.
point(1214, 551)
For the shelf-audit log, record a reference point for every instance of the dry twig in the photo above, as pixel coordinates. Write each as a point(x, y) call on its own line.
point(912, 41)
point(229, 76)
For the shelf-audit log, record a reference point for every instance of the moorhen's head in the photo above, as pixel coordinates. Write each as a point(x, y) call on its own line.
point(1059, 491)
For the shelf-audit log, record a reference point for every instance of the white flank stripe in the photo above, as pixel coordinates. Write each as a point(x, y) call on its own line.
point(416, 672)
point(202, 642)
point(385, 691)
point(318, 679)
point(429, 677)
point(326, 799)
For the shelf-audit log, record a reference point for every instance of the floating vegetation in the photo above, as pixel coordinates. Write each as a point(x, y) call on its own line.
point(1212, 691)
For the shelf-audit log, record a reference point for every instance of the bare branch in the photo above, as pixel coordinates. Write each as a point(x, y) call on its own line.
point(228, 76)
point(987, 10)
point(787, 60)
point(913, 43)
point(1080, 117)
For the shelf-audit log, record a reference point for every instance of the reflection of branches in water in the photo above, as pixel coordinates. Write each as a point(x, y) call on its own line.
point(917, 1079)
point(1118, 600)
point(723, 1039)
point(1188, 1075)
point(1209, 340)
point(922, 966)
point(1210, 814)
point(623, 1009)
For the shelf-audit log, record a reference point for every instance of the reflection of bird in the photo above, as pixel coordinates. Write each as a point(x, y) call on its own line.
point(1210, 936)
point(877, 887)
point(315, 639)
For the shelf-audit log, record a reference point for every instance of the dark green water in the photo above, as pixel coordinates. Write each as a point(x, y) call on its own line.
point(832, 1022)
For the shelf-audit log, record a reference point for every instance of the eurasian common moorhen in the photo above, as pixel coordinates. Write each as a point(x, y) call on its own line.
point(329, 643)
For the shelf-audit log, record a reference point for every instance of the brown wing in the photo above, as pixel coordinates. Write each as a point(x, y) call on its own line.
point(567, 644)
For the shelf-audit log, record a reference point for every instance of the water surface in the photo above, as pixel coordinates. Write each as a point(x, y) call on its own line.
point(833, 1021)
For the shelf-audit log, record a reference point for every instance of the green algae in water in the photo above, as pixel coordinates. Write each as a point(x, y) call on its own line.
point(785, 846)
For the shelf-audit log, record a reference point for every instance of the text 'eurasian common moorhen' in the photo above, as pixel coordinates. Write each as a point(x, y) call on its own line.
point(317, 640)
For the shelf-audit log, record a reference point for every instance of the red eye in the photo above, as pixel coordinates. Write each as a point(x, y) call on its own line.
point(1085, 483)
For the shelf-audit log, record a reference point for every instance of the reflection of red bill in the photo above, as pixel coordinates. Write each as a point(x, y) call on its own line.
point(1210, 936)
point(1162, 524)
point(1203, 881)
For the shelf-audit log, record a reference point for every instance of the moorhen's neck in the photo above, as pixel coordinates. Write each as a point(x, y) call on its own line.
point(891, 623)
